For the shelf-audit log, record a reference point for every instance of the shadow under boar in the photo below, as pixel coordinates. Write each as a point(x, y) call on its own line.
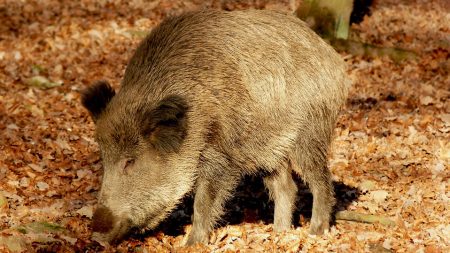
point(208, 97)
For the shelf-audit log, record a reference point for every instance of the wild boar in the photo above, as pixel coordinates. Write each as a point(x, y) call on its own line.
point(208, 97)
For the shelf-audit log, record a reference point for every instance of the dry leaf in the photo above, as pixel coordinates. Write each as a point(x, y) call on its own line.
point(392, 134)
point(3, 202)
point(42, 186)
point(426, 100)
point(86, 211)
point(379, 196)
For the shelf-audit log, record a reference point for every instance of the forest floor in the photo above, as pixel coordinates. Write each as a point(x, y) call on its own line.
point(390, 157)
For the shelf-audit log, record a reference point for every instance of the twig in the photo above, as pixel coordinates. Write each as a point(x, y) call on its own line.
point(359, 48)
point(365, 218)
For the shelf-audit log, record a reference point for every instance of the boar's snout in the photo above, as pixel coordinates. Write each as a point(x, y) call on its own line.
point(102, 220)
point(107, 227)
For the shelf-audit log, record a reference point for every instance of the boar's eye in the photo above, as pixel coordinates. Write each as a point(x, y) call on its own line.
point(128, 164)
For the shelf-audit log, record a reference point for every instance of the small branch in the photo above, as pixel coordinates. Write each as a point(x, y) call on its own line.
point(331, 20)
point(365, 218)
point(359, 48)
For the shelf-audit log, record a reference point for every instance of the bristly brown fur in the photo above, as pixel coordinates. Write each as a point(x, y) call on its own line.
point(208, 97)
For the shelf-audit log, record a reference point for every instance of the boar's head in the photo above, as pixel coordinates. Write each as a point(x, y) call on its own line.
point(141, 148)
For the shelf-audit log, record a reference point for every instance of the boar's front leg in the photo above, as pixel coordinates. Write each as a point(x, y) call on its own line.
point(215, 182)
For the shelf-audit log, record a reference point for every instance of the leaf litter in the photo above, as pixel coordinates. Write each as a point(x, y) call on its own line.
point(390, 157)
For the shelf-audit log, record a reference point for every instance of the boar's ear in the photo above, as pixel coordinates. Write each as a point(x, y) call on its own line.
point(165, 126)
point(96, 98)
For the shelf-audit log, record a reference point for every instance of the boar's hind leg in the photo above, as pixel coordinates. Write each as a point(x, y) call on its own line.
point(214, 187)
point(283, 191)
point(311, 156)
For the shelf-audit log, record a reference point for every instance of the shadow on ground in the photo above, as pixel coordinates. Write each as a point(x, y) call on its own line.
point(251, 204)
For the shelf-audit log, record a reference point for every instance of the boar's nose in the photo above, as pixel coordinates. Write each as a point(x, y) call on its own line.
point(102, 220)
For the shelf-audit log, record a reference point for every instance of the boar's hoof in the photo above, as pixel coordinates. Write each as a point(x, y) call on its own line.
point(279, 228)
point(102, 239)
point(195, 238)
point(318, 228)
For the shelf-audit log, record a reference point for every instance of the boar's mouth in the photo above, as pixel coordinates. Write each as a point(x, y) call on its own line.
point(103, 220)
point(108, 228)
